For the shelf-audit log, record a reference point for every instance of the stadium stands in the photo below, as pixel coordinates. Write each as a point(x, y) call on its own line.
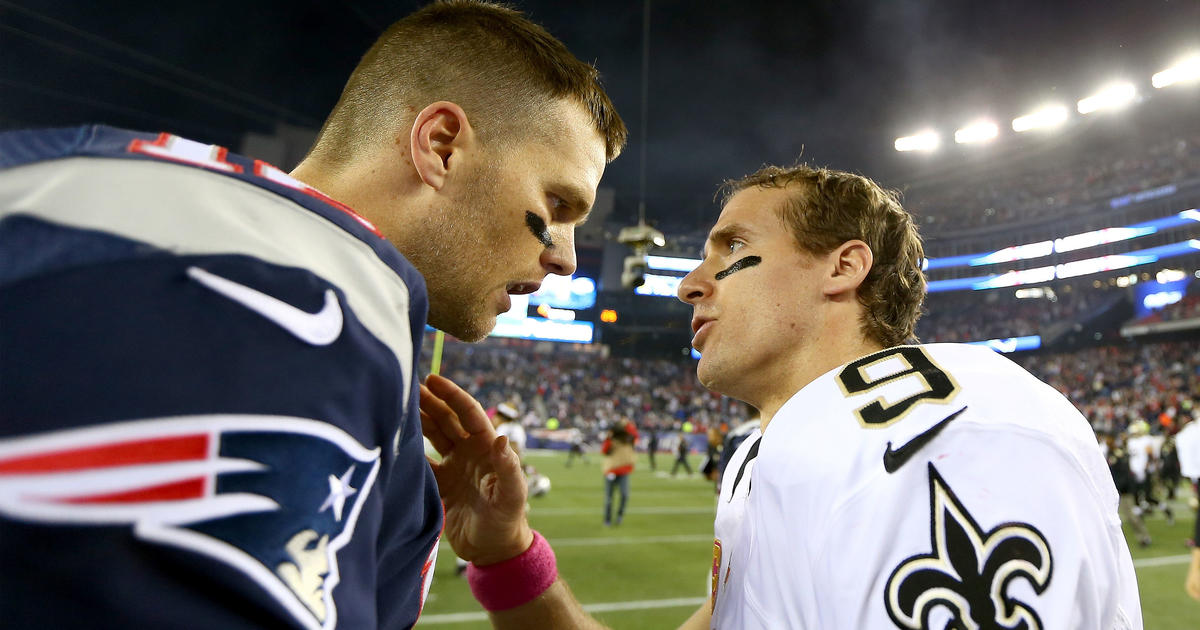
point(1116, 385)
point(582, 389)
point(976, 316)
point(1112, 385)
point(1049, 188)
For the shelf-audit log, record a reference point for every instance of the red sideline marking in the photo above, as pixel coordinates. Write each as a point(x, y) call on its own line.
point(177, 491)
point(181, 448)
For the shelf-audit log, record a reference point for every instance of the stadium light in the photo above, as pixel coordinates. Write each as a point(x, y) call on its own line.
point(1112, 96)
point(1186, 70)
point(924, 141)
point(976, 132)
point(1049, 116)
point(1169, 275)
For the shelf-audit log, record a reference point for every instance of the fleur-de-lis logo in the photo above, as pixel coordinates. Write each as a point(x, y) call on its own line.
point(969, 571)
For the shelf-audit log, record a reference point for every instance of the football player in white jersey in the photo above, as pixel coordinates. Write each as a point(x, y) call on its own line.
point(1187, 441)
point(891, 485)
point(508, 425)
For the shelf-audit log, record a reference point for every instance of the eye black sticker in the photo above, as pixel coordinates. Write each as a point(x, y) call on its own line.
point(538, 227)
point(744, 263)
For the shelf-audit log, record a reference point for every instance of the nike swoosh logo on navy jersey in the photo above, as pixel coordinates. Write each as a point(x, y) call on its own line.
point(319, 329)
point(894, 459)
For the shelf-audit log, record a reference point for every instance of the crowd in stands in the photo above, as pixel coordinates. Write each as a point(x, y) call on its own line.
point(999, 314)
point(586, 390)
point(1112, 385)
point(1115, 386)
point(1042, 190)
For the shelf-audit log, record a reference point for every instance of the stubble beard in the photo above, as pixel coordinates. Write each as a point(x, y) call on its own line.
point(455, 264)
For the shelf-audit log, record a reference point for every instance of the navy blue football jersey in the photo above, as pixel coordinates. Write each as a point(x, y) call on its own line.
point(208, 395)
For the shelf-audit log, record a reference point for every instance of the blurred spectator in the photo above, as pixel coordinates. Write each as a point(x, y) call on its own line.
point(681, 458)
point(1123, 479)
point(712, 455)
point(507, 425)
point(619, 458)
point(576, 449)
point(652, 446)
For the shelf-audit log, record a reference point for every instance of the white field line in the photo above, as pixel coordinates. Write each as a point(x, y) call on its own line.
point(639, 490)
point(1162, 561)
point(681, 602)
point(600, 542)
point(536, 511)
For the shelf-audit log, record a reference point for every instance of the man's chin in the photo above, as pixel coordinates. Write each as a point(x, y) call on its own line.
point(709, 374)
point(468, 331)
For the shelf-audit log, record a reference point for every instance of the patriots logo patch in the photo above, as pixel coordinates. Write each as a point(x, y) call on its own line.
point(271, 496)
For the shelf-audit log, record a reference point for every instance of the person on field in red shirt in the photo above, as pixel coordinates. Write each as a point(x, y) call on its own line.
point(619, 458)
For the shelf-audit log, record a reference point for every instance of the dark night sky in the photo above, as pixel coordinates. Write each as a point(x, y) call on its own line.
point(732, 84)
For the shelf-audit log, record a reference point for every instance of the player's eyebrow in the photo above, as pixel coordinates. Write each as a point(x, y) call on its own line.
point(723, 234)
point(576, 199)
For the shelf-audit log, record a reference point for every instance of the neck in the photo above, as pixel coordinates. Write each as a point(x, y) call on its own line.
point(319, 177)
point(371, 191)
point(807, 368)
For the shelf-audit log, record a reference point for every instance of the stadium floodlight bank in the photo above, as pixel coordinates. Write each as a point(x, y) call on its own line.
point(1112, 96)
point(1182, 72)
point(977, 132)
point(1044, 118)
point(924, 141)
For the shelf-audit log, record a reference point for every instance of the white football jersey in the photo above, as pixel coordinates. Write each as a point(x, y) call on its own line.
point(731, 509)
point(1187, 444)
point(1142, 449)
point(919, 487)
point(515, 433)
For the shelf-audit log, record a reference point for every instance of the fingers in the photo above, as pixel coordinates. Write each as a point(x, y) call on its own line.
point(511, 487)
point(432, 430)
point(469, 412)
point(439, 423)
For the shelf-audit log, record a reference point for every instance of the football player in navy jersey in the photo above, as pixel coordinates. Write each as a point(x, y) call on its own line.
point(890, 484)
point(208, 387)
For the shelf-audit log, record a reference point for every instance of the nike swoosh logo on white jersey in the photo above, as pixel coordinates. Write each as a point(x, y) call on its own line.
point(319, 329)
point(894, 459)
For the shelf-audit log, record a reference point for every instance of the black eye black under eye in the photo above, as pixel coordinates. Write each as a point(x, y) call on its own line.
point(740, 264)
point(539, 229)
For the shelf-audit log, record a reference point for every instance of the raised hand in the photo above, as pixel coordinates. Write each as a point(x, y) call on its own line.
point(479, 477)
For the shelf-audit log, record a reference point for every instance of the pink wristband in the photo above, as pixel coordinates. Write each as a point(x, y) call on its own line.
point(517, 580)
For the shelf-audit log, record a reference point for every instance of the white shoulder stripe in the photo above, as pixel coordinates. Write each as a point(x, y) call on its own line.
point(191, 211)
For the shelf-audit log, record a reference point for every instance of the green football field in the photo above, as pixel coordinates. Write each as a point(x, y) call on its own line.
point(652, 571)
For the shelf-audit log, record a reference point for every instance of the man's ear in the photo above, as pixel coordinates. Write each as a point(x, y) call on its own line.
point(439, 133)
point(849, 264)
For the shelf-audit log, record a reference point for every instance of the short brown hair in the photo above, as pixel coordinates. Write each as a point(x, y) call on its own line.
point(827, 208)
point(489, 59)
